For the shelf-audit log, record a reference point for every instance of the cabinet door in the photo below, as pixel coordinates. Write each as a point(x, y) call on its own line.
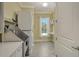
point(67, 29)
point(13, 54)
point(64, 19)
point(76, 23)
point(25, 20)
point(19, 52)
point(63, 48)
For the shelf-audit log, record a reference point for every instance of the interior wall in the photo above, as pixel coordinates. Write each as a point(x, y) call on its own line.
point(36, 32)
point(10, 8)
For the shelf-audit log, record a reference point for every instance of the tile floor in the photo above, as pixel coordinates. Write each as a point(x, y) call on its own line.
point(43, 49)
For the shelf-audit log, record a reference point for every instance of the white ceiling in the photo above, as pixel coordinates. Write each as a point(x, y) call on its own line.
point(38, 6)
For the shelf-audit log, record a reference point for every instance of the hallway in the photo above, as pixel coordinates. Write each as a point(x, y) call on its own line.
point(43, 49)
point(28, 29)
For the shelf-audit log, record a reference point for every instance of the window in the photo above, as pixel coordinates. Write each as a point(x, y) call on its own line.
point(44, 26)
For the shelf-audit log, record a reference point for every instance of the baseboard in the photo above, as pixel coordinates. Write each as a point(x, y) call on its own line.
point(42, 41)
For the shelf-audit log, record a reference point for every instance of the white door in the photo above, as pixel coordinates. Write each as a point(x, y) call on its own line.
point(67, 30)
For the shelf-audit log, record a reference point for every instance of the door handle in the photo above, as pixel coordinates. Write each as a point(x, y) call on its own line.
point(77, 48)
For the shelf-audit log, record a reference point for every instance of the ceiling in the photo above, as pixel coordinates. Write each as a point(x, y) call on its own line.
point(38, 6)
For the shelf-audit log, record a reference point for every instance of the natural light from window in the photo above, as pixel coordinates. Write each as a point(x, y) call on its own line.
point(44, 26)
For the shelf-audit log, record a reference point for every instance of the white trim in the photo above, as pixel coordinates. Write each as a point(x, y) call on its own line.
point(42, 12)
point(22, 6)
point(42, 40)
point(47, 25)
point(32, 27)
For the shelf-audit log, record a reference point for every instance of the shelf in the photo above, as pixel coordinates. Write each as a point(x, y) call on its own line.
point(9, 22)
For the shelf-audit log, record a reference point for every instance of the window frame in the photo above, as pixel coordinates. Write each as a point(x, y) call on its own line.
point(47, 27)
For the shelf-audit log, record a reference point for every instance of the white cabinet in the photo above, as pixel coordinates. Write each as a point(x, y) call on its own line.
point(13, 54)
point(11, 49)
point(25, 20)
point(17, 52)
point(76, 22)
point(25, 23)
point(67, 33)
point(64, 19)
point(64, 48)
